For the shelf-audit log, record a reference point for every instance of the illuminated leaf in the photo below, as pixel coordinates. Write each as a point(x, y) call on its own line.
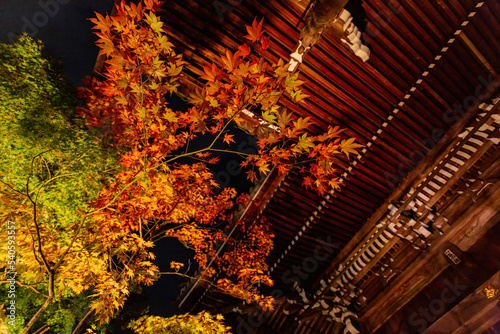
point(302, 123)
point(349, 146)
point(305, 142)
point(269, 117)
point(153, 21)
point(298, 96)
point(228, 138)
point(254, 31)
point(211, 73)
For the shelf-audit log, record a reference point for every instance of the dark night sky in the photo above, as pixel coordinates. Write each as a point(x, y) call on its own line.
point(64, 28)
point(62, 25)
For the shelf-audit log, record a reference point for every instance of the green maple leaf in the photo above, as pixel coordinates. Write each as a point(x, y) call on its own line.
point(305, 143)
point(214, 103)
point(170, 116)
point(292, 82)
point(298, 96)
point(152, 20)
point(269, 117)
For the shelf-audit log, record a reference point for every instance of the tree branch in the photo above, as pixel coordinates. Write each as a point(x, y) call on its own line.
point(48, 269)
point(78, 329)
point(41, 330)
point(26, 286)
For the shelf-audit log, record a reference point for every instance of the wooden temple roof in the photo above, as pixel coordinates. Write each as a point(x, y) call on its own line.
point(423, 100)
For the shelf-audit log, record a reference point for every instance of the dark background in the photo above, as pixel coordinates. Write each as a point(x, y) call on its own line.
point(62, 25)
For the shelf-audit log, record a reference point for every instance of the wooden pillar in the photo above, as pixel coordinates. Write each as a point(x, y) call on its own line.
point(319, 18)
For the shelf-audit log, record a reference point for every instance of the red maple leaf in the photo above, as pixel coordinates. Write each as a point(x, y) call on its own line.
point(213, 160)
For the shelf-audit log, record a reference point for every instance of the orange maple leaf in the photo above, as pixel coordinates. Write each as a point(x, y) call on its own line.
point(251, 176)
point(254, 31)
point(229, 60)
point(307, 182)
point(211, 72)
point(243, 51)
point(213, 160)
point(228, 138)
point(349, 146)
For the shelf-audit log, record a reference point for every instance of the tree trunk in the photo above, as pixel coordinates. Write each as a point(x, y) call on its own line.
point(81, 325)
point(38, 314)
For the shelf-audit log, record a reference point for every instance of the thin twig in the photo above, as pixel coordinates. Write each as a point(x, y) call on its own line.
point(29, 286)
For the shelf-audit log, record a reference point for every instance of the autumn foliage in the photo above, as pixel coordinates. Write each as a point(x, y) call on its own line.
point(202, 323)
point(153, 191)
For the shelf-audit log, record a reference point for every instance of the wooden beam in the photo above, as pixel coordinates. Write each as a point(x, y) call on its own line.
point(437, 154)
point(263, 196)
point(319, 18)
point(474, 314)
point(477, 219)
point(456, 176)
point(466, 273)
point(477, 53)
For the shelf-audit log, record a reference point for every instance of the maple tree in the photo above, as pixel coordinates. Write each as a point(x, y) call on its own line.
point(143, 189)
point(50, 170)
